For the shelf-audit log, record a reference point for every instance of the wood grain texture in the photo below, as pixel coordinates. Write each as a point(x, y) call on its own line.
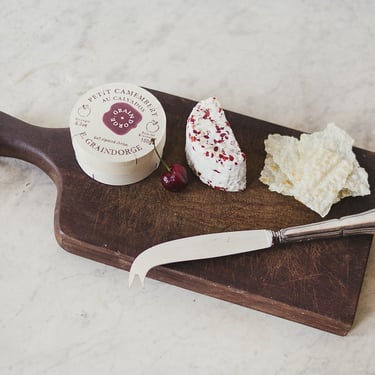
point(317, 283)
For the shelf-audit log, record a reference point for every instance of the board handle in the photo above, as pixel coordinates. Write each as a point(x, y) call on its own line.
point(362, 223)
point(36, 145)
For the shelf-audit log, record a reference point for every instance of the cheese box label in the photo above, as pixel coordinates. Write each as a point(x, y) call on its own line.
point(117, 122)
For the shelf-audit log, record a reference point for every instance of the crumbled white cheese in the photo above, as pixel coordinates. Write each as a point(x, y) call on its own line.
point(212, 150)
point(319, 169)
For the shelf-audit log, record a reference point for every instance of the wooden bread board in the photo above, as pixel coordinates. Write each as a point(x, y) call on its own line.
point(316, 283)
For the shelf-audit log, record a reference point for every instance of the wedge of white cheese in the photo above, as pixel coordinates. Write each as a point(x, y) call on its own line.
point(212, 151)
point(319, 169)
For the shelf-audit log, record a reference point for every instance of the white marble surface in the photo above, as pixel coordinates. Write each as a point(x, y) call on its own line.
point(297, 63)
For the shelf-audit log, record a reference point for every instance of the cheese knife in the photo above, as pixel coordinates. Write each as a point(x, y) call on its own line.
point(229, 243)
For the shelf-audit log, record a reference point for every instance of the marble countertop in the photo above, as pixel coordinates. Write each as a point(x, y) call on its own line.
point(296, 63)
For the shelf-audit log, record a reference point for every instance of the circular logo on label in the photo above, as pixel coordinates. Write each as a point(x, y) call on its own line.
point(121, 118)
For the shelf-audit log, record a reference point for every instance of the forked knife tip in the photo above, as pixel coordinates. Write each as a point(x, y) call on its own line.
point(132, 277)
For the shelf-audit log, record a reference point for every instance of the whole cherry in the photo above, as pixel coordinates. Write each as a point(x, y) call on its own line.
point(175, 178)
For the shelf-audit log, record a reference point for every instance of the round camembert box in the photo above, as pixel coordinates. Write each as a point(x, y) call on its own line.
point(114, 128)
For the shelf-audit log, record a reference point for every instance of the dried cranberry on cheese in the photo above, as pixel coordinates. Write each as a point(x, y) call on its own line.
point(212, 150)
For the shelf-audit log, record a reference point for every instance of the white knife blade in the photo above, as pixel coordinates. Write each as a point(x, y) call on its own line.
point(199, 247)
point(237, 242)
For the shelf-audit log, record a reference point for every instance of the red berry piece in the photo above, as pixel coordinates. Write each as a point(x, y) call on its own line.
point(175, 178)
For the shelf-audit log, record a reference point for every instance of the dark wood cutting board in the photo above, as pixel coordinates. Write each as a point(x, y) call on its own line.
point(316, 283)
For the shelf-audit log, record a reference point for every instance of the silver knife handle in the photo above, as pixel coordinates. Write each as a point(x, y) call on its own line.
point(363, 223)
